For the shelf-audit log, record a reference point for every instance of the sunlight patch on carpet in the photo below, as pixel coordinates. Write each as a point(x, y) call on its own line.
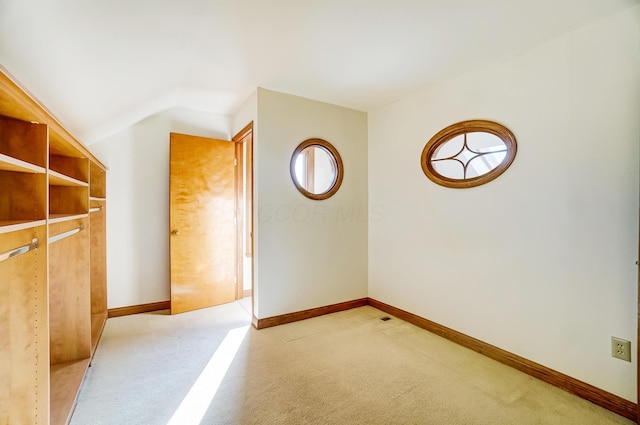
point(197, 401)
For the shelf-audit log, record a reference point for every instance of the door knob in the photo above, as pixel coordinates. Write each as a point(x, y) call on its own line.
point(175, 233)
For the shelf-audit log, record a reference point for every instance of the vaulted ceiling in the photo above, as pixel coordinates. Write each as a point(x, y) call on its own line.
point(102, 65)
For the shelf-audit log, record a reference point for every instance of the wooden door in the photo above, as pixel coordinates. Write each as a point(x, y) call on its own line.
point(202, 222)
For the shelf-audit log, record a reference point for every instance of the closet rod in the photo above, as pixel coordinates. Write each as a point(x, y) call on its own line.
point(35, 244)
point(96, 209)
point(56, 238)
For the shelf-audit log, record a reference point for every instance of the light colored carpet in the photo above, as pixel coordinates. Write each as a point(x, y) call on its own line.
point(344, 368)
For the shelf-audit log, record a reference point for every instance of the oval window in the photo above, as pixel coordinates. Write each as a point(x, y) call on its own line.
point(316, 169)
point(468, 154)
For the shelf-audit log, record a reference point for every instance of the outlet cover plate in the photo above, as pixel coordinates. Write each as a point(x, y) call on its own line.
point(621, 348)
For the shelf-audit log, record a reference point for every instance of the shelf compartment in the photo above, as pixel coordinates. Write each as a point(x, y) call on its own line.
point(24, 141)
point(68, 200)
point(75, 168)
point(65, 381)
point(69, 317)
point(61, 143)
point(24, 196)
point(69, 292)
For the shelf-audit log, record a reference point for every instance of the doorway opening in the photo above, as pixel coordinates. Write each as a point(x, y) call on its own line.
point(244, 212)
point(211, 221)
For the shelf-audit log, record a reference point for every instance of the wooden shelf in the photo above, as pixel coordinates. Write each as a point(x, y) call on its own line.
point(65, 381)
point(54, 302)
point(59, 218)
point(94, 198)
point(8, 163)
point(59, 179)
point(7, 226)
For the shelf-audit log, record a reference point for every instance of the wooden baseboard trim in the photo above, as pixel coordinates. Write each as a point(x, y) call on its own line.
point(141, 308)
point(308, 314)
point(586, 391)
point(247, 293)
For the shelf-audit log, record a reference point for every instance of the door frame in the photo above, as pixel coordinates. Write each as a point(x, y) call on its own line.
point(244, 174)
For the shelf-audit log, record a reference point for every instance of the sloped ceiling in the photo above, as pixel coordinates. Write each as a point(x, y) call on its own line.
point(102, 65)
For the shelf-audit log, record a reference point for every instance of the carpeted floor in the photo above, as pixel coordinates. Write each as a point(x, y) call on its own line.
point(344, 368)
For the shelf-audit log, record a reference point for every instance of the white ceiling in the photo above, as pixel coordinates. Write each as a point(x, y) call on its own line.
point(101, 66)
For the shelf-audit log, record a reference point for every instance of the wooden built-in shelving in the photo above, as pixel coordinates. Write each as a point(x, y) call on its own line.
point(23, 161)
point(59, 179)
point(53, 307)
point(9, 163)
point(66, 378)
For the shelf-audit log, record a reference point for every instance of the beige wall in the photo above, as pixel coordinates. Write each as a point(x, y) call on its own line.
point(309, 253)
point(541, 261)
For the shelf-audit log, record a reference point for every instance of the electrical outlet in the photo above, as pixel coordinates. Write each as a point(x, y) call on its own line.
point(621, 349)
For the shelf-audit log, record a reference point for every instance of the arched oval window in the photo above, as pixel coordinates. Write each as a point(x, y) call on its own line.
point(316, 169)
point(468, 154)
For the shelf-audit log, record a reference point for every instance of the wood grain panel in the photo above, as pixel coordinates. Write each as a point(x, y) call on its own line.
point(24, 196)
point(98, 229)
point(15, 103)
point(98, 320)
point(69, 293)
point(77, 168)
point(595, 395)
point(98, 278)
point(68, 200)
point(24, 342)
point(97, 181)
point(66, 379)
point(24, 140)
point(202, 214)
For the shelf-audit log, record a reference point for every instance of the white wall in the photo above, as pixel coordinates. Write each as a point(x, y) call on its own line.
point(309, 253)
point(541, 261)
point(138, 202)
